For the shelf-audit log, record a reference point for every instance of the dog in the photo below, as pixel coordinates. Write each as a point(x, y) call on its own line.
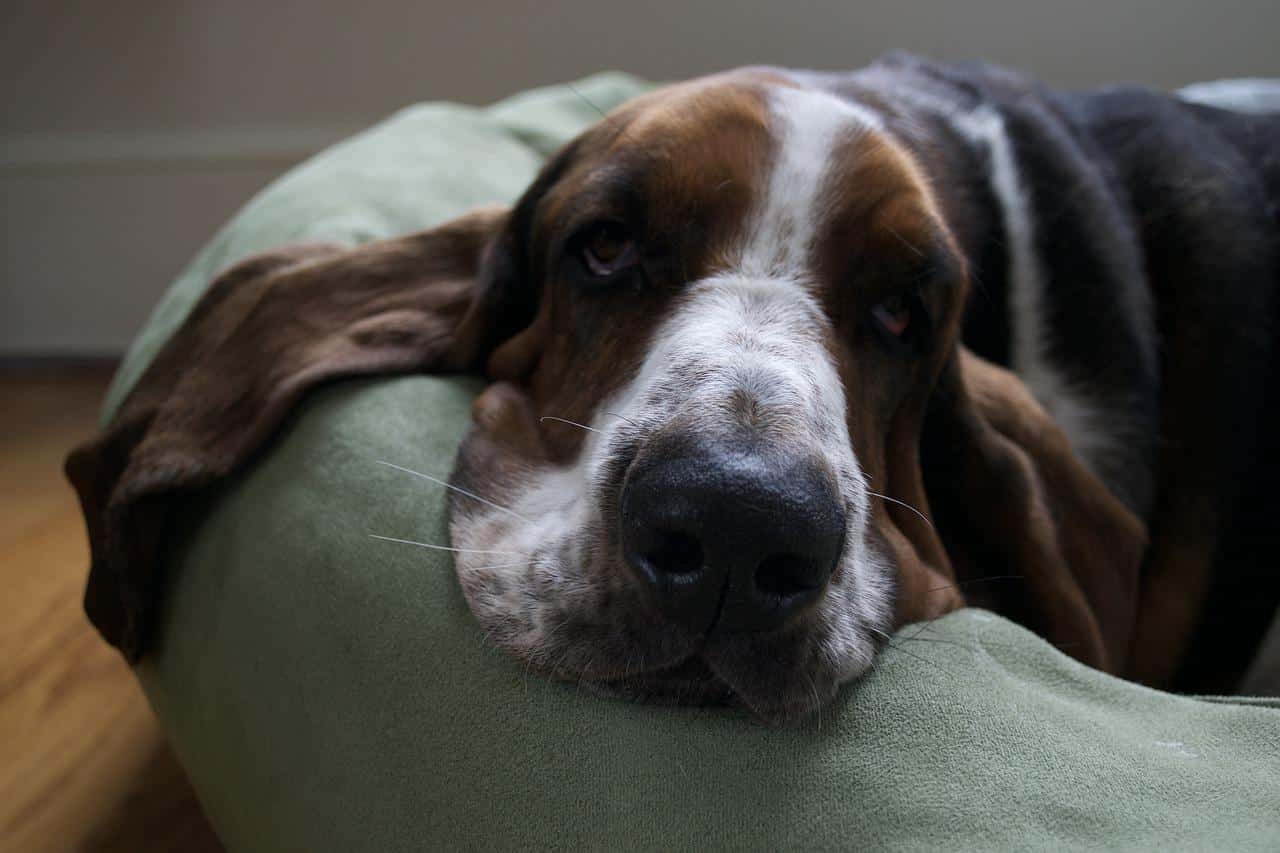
point(782, 361)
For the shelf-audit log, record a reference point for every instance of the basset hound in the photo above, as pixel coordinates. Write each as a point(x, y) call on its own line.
point(782, 361)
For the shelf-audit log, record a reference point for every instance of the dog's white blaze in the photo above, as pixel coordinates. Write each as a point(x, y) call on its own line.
point(808, 124)
point(1082, 422)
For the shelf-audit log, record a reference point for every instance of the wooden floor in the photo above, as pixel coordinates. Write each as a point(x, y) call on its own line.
point(83, 765)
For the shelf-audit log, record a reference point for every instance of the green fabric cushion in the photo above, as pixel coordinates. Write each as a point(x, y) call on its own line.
point(328, 691)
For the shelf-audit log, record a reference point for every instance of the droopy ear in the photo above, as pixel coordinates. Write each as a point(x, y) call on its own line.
point(268, 330)
point(1011, 499)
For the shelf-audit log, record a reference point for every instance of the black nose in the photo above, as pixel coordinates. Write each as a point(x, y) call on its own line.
point(732, 539)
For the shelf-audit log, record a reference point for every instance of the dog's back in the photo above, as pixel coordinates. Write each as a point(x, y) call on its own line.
point(1204, 186)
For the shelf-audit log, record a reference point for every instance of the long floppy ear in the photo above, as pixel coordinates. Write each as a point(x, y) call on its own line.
point(268, 330)
point(1012, 500)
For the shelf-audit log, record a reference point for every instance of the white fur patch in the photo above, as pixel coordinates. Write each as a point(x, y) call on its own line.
point(808, 125)
point(1250, 95)
point(1080, 420)
point(764, 337)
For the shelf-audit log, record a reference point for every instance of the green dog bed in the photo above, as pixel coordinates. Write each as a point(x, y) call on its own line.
point(328, 691)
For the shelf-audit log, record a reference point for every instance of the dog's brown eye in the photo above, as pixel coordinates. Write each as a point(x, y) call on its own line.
point(608, 249)
point(893, 315)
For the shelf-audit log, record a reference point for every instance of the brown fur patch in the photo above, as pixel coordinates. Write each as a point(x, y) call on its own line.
point(682, 167)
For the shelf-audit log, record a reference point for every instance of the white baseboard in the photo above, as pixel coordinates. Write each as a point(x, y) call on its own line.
point(146, 150)
point(96, 226)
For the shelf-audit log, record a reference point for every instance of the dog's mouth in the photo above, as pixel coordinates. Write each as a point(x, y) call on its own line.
point(776, 678)
point(689, 682)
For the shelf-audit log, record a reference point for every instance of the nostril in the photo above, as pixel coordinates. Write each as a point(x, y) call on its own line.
point(785, 575)
point(730, 539)
point(675, 552)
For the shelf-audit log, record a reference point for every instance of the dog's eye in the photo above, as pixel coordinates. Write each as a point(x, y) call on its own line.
point(607, 249)
point(893, 315)
point(902, 323)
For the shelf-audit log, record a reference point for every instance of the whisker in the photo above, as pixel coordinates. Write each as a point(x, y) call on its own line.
point(531, 562)
point(569, 422)
point(583, 674)
point(939, 641)
point(934, 664)
point(614, 122)
point(622, 417)
point(445, 547)
point(902, 504)
point(454, 488)
point(904, 241)
point(585, 99)
point(817, 698)
point(972, 581)
point(929, 626)
point(923, 627)
point(897, 648)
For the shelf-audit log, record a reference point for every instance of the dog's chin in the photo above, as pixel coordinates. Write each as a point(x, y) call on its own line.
point(694, 682)
point(690, 682)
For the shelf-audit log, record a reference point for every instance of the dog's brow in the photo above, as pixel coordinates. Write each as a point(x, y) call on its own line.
point(608, 189)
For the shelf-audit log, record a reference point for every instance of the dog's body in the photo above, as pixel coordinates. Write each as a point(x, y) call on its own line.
point(748, 412)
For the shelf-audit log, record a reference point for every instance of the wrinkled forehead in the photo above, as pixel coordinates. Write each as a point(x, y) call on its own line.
point(753, 164)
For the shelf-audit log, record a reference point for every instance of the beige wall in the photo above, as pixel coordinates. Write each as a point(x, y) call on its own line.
point(129, 130)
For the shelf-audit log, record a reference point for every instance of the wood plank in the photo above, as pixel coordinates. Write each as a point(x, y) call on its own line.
point(83, 763)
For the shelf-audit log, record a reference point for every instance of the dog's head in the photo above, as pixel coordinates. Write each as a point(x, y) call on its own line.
point(729, 407)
